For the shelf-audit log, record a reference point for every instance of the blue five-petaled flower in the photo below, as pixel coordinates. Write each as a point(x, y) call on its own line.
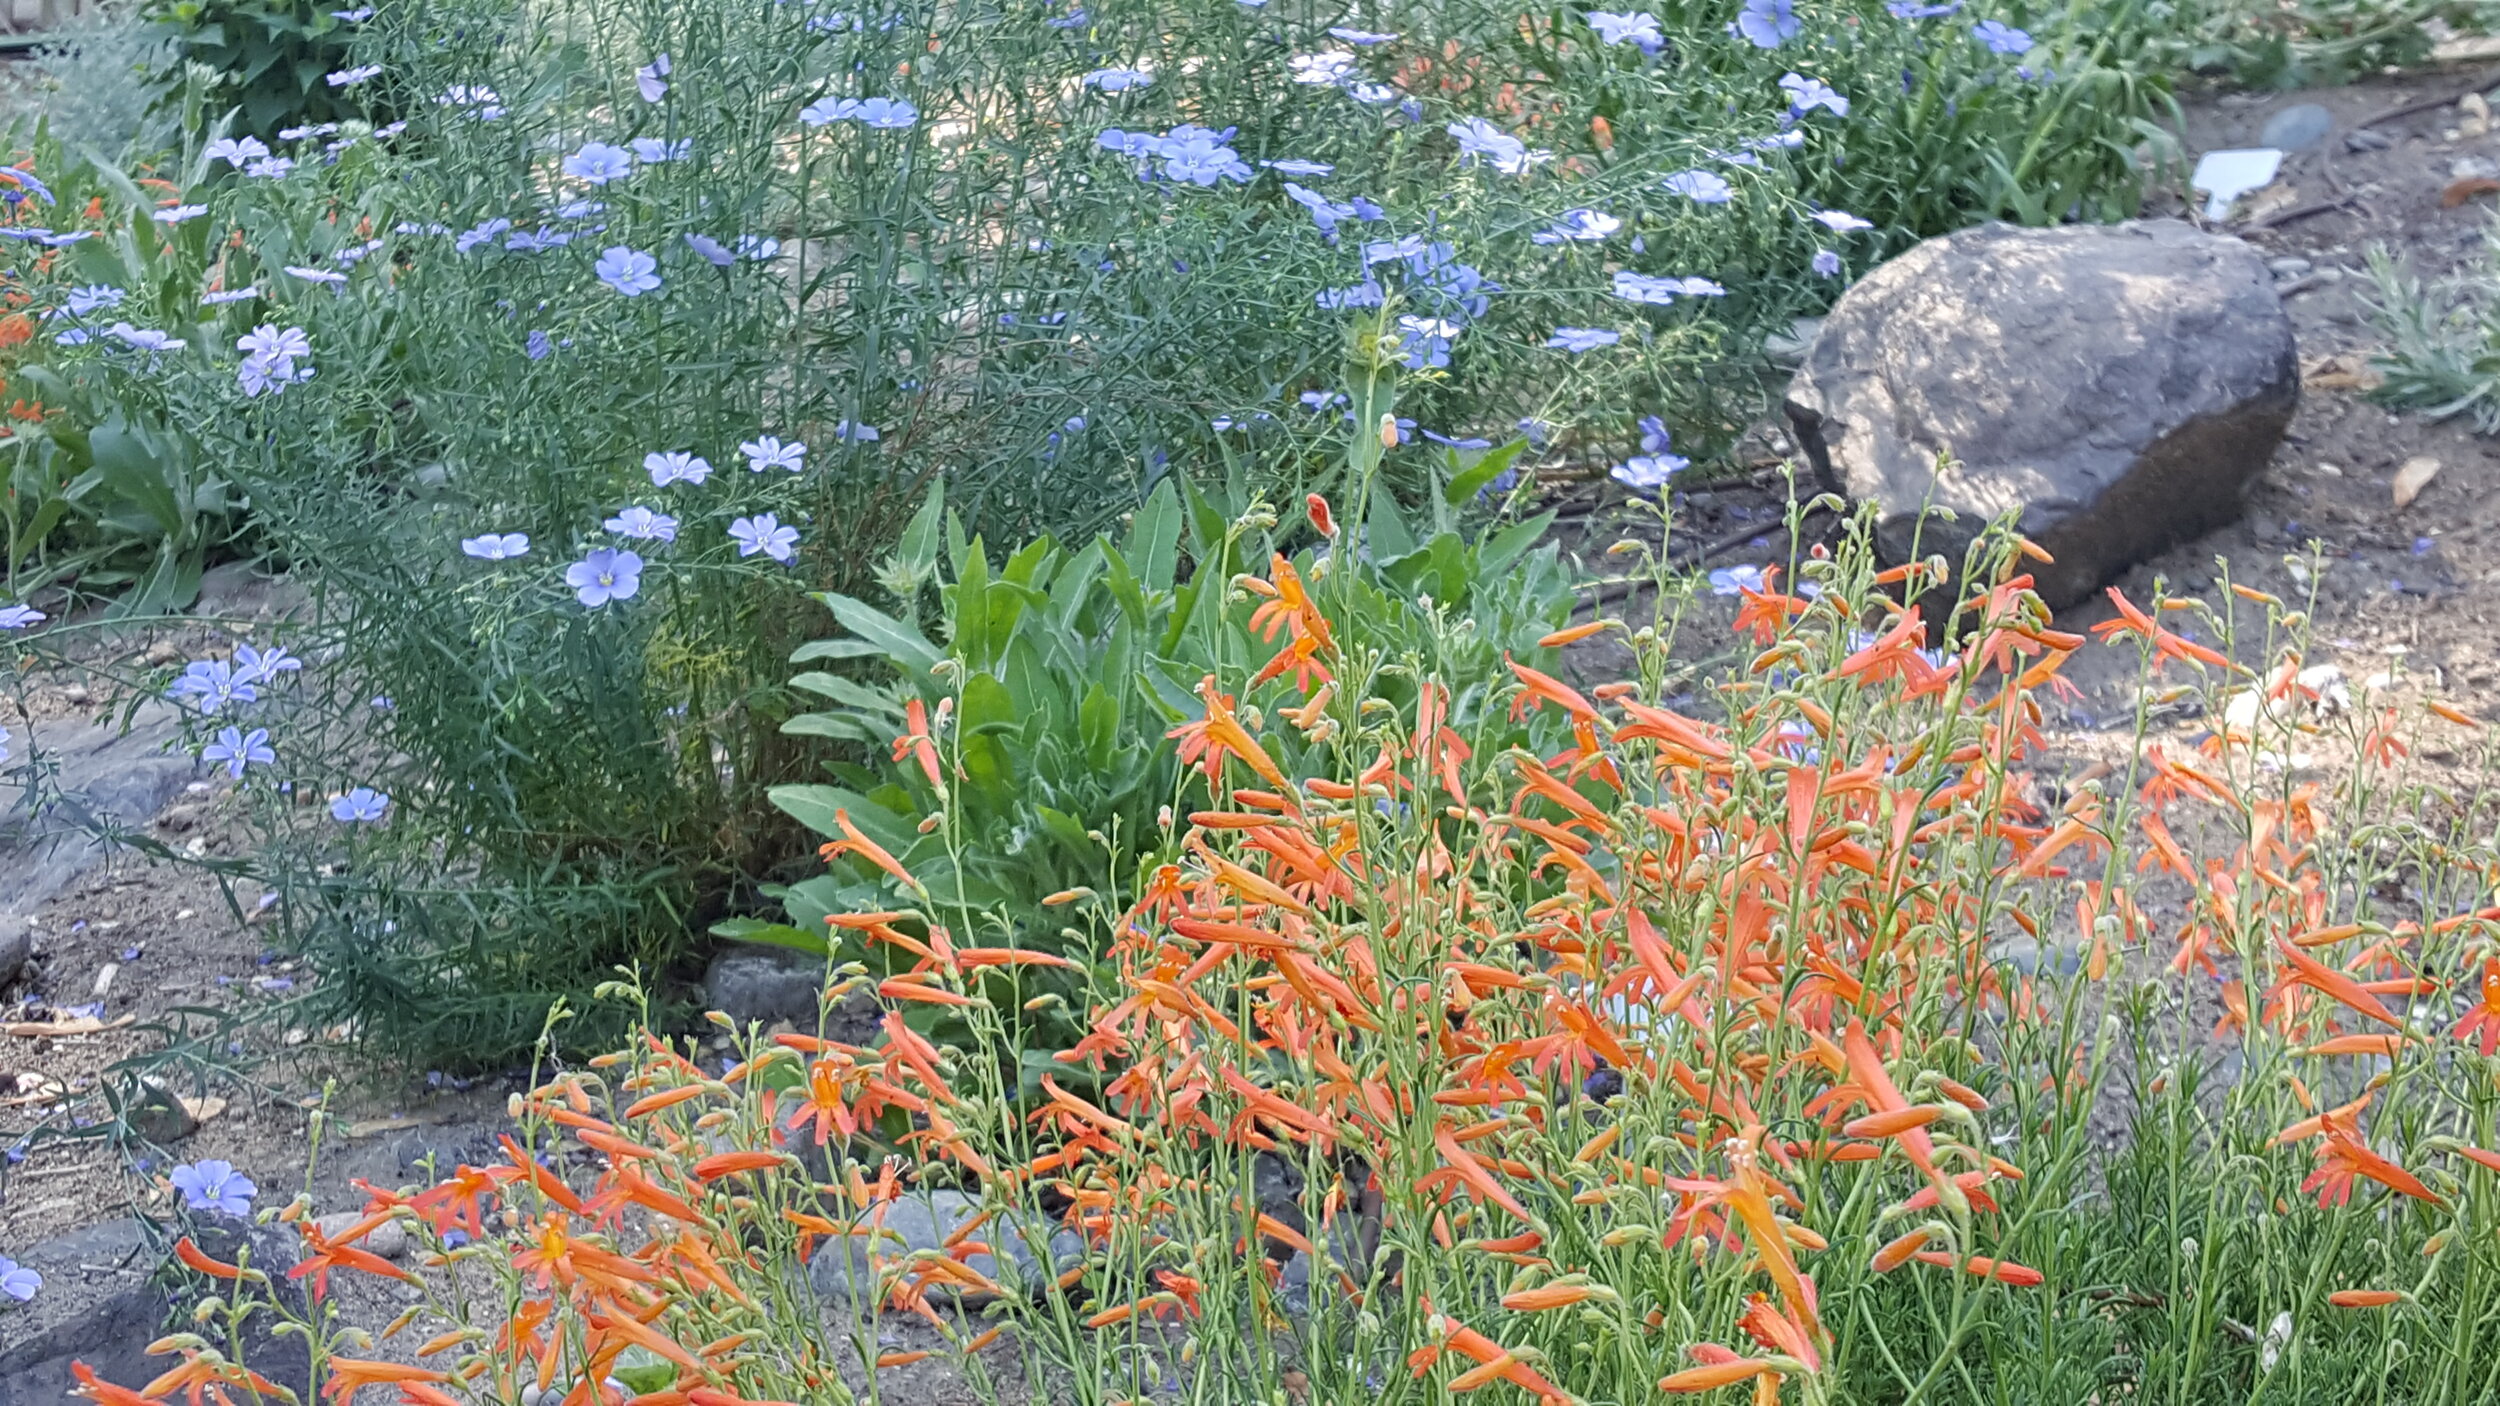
point(764, 533)
point(603, 575)
point(628, 271)
point(1766, 24)
point(237, 749)
point(363, 805)
point(215, 1185)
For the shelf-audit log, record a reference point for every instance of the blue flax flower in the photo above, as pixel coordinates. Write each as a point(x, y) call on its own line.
point(1577, 226)
point(598, 163)
point(772, 452)
point(238, 749)
point(19, 617)
point(603, 575)
point(1701, 187)
point(628, 271)
point(642, 523)
point(676, 466)
point(1806, 94)
point(1479, 140)
point(763, 533)
point(2000, 37)
point(212, 684)
point(235, 151)
point(1735, 580)
point(1825, 264)
point(1582, 339)
point(17, 1281)
point(497, 546)
point(1360, 38)
point(364, 805)
point(215, 1185)
point(1638, 27)
point(1767, 24)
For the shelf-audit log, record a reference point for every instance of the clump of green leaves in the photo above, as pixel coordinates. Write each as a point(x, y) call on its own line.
point(272, 58)
point(1044, 713)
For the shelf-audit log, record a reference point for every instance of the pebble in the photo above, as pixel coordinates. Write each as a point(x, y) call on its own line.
point(75, 693)
point(2289, 266)
point(161, 652)
point(2297, 128)
point(2472, 168)
point(2367, 140)
point(389, 1239)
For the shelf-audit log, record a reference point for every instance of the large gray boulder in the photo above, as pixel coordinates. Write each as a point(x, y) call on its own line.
point(2114, 387)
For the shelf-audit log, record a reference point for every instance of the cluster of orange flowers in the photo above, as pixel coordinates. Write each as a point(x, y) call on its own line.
point(1460, 977)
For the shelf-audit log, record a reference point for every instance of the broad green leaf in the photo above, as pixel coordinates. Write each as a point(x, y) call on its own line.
point(910, 651)
point(1471, 478)
point(1497, 553)
point(1153, 546)
point(771, 935)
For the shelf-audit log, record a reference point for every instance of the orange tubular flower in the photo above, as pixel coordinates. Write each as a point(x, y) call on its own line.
point(2166, 646)
point(199, 1374)
point(1714, 1375)
point(102, 1392)
point(916, 742)
point(1897, 1253)
point(1552, 1296)
point(349, 1375)
point(2003, 1271)
point(853, 842)
point(728, 1164)
point(2341, 1158)
point(2481, 1024)
point(2364, 1298)
point(1206, 742)
point(328, 1254)
point(196, 1258)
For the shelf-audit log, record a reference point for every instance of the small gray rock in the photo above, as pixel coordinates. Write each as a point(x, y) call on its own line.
point(2297, 128)
point(2113, 388)
point(764, 984)
point(2289, 266)
point(17, 942)
point(922, 1220)
point(157, 1115)
point(2473, 168)
point(2366, 139)
point(389, 1239)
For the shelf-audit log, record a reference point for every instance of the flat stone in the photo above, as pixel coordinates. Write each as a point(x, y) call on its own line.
point(107, 1294)
point(159, 1115)
point(759, 985)
point(2298, 127)
point(106, 779)
point(2112, 389)
point(16, 941)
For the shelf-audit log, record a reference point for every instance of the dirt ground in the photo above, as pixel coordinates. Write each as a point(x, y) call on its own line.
point(2405, 590)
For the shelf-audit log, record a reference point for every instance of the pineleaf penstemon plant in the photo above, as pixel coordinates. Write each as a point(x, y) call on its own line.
point(1693, 1057)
